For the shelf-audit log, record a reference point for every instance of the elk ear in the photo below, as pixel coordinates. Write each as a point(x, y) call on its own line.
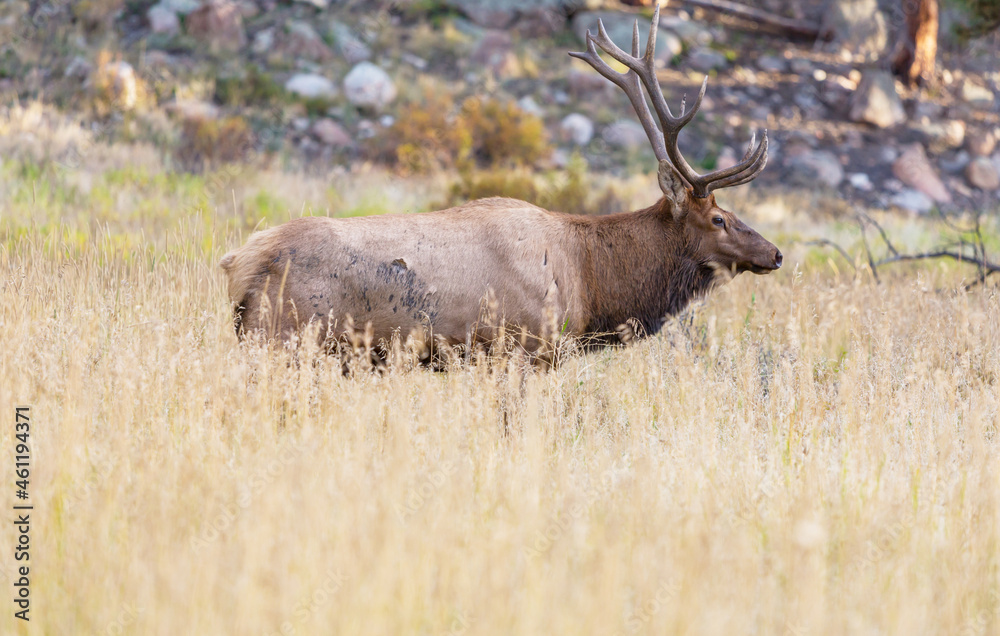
point(673, 186)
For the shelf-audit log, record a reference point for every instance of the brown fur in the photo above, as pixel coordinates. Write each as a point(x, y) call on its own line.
point(914, 58)
point(463, 273)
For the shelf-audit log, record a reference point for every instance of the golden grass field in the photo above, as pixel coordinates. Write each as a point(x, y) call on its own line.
point(805, 453)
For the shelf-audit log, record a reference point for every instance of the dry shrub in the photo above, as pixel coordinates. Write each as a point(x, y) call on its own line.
point(562, 191)
point(432, 135)
point(502, 133)
point(210, 142)
point(116, 87)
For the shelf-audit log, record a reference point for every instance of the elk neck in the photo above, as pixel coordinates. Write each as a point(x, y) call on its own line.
point(639, 265)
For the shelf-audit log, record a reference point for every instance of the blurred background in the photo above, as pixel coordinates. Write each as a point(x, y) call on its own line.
point(884, 103)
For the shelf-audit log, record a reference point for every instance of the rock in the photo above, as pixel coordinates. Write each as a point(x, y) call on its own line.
point(876, 101)
point(181, 7)
point(944, 135)
point(912, 200)
point(855, 26)
point(192, 109)
point(955, 164)
point(368, 86)
point(347, 44)
point(690, 32)
point(331, 133)
point(219, 24)
point(500, 14)
point(625, 133)
point(162, 20)
point(495, 51)
point(861, 181)
point(915, 170)
point(577, 129)
point(801, 66)
point(619, 27)
point(530, 106)
point(981, 144)
point(982, 174)
point(300, 40)
point(705, 60)
point(977, 95)
point(772, 64)
point(816, 165)
point(319, 4)
point(415, 61)
point(540, 22)
point(587, 84)
point(263, 42)
point(311, 86)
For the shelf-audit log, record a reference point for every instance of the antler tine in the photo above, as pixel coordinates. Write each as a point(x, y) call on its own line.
point(642, 74)
point(629, 83)
point(744, 172)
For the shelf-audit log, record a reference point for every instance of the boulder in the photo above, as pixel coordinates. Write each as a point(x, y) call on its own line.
point(311, 86)
point(912, 200)
point(162, 20)
point(219, 24)
point(576, 129)
point(876, 101)
point(368, 86)
point(914, 169)
point(625, 133)
point(300, 40)
point(500, 14)
point(347, 44)
point(331, 133)
point(812, 166)
point(706, 60)
point(855, 26)
point(982, 174)
point(981, 144)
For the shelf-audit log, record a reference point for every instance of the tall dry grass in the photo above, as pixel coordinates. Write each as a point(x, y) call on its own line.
point(805, 453)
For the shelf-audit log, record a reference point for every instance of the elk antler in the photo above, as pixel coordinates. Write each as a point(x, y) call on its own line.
point(641, 73)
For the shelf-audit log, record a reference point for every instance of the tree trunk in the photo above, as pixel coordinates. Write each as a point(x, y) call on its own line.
point(916, 51)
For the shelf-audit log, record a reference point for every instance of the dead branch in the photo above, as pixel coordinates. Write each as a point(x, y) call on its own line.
point(790, 26)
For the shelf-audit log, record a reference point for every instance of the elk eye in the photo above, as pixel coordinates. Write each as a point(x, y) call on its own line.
point(719, 221)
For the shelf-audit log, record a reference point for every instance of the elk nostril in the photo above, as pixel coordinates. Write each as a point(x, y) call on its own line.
point(777, 258)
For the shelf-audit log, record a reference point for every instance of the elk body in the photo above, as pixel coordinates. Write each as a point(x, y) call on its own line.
point(460, 275)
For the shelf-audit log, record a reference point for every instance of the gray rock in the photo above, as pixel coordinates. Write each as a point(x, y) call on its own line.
point(619, 27)
point(311, 86)
point(861, 181)
point(347, 44)
point(577, 129)
point(981, 144)
point(772, 64)
point(219, 24)
point(181, 7)
point(912, 200)
point(300, 40)
point(690, 32)
point(500, 14)
point(855, 26)
point(162, 20)
point(816, 165)
point(368, 86)
point(530, 106)
point(705, 60)
point(331, 133)
point(263, 42)
point(625, 133)
point(876, 101)
point(495, 51)
point(977, 95)
point(982, 174)
point(801, 66)
point(78, 68)
point(915, 170)
point(955, 164)
point(944, 135)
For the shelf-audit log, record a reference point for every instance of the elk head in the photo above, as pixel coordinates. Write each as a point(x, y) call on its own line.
point(713, 235)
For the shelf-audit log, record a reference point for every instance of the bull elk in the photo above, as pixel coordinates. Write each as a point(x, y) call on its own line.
point(426, 277)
